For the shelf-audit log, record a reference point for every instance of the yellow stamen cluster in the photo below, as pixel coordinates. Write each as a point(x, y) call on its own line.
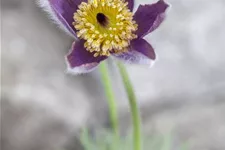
point(115, 31)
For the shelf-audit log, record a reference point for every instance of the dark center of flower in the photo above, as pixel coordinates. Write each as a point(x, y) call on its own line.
point(102, 19)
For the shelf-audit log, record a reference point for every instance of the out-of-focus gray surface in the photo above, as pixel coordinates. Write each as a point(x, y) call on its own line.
point(42, 107)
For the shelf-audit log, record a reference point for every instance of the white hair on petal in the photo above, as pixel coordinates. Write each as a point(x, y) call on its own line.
point(134, 57)
point(80, 69)
point(45, 5)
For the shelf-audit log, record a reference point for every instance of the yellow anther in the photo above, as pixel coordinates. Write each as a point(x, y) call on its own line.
point(96, 54)
point(107, 42)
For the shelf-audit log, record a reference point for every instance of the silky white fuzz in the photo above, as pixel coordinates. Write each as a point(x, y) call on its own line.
point(45, 5)
point(86, 68)
point(134, 57)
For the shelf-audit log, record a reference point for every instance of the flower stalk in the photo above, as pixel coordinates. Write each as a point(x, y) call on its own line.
point(110, 97)
point(133, 107)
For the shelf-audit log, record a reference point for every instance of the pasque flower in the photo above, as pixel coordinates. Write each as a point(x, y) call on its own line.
point(106, 27)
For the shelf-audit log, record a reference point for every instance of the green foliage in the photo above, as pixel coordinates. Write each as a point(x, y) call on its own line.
point(110, 141)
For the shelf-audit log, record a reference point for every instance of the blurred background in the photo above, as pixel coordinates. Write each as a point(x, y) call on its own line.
point(42, 107)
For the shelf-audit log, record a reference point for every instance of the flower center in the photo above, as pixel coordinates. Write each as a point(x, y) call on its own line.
point(107, 26)
point(102, 19)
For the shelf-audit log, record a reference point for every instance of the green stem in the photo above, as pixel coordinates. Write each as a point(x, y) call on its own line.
point(133, 106)
point(110, 97)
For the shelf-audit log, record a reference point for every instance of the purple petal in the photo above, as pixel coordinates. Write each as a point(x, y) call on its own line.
point(130, 4)
point(140, 52)
point(79, 60)
point(62, 12)
point(149, 17)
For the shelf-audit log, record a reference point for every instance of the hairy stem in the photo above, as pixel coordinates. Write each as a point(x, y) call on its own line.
point(110, 97)
point(133, 107)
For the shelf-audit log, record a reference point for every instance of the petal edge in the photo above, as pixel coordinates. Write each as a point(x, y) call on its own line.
point(81, 69)
point(149, 17)
point(140, 52)
point(79, 60)
point(61, 12)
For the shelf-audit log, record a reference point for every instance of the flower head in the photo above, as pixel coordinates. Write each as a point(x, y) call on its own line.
point(106, 27)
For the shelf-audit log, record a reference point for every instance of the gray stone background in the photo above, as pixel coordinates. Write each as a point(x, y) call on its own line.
point(42, 107)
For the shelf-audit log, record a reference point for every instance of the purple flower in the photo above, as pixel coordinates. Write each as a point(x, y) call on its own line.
point(106, 27)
